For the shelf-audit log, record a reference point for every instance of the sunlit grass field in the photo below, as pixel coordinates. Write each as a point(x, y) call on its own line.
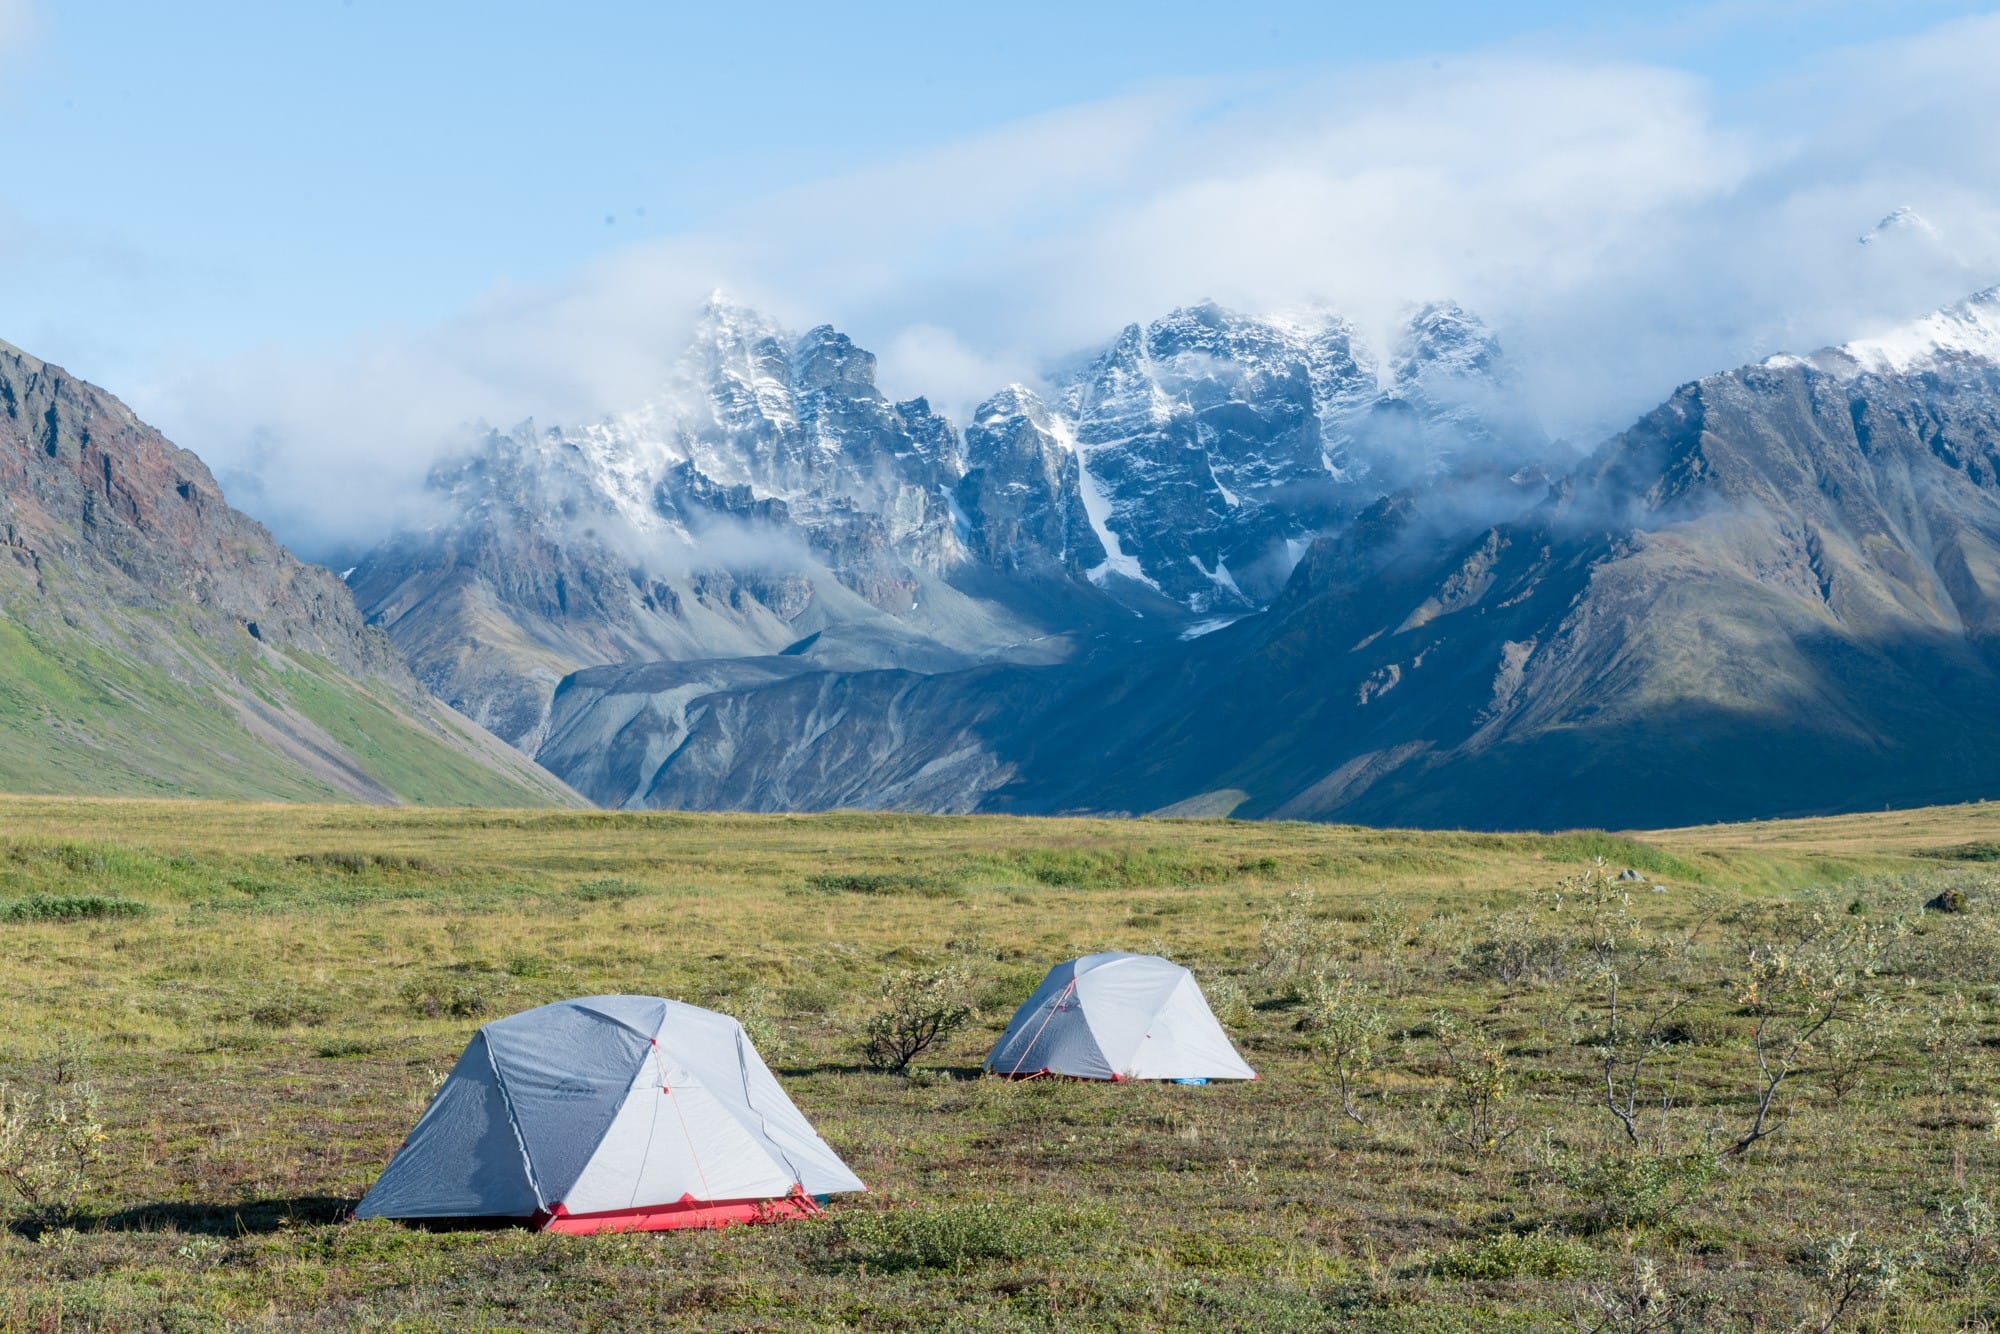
point(264, 996)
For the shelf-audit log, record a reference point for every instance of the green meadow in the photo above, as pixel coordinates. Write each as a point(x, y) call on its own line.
point(1735, 1077)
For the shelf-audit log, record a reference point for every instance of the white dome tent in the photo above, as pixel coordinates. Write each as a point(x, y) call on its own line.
point(1118, 1017)
point(610, 1113)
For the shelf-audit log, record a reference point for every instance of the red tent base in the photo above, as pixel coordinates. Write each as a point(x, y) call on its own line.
point(684, 1212)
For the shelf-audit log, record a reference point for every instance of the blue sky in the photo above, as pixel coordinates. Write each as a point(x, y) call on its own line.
point(208, 199)
point(230, 173)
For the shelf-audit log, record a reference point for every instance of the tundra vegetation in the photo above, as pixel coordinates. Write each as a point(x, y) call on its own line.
point(1506, 1084)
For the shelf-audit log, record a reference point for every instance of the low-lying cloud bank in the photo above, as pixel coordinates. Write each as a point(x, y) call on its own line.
point(1624, 227)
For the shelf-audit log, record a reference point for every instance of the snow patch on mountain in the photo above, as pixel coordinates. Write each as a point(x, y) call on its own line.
point(1903, 219)
point(1208, 626)
point(1966, 331)
point(1097, 508)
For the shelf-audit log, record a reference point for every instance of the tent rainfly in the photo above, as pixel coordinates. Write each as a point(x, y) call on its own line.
point(1117, 1017)
point(610, 1113)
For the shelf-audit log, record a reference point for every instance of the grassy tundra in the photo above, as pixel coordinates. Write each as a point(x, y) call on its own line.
point(1502, 1087)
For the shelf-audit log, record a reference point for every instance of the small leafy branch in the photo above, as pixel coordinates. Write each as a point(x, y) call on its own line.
point(1614, 948)
point(1294, 947)
point(1946, 1040)
point(1850, 1047)
point(1796, 987)
point(51, 1135)
point(1348, 1030)
point(915, 1010)
point(1851, 1275)
point(1966, 1237)
point(1475, 1110)
point(1570, 931)
point(1640, 1303)
point(1622, 970)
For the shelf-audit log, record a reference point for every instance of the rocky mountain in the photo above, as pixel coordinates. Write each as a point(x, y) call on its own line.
point(772, 502)
point(1778, 592)
point(1214, 447)
point(1774, 593)
point(771, 494)
point(155, 641)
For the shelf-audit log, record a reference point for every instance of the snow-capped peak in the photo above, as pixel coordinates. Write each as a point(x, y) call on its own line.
point(727, 322)
point(1016, 400)
point(1969, 330)
point(1903, 219)
point(1445, 337)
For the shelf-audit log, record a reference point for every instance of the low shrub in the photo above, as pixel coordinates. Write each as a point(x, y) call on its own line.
point(1967, 1235)
point(527, 965)
point(1964, 852)
point(1228, 999)
point(1697, 1028)
point(360, 863)
point(68, 908)
point(607, 891)
point(1295, 946)
point(1514, 1255)
point(914, 1011)
point(1348, 1029)
point(756, 1009)
point(1475, 1105)
point(439, 998)
point(1116, 868)
point(1852, 1274)
point(1639, 1189)
point(51, 1136)
point(817, 995)
point(882, 882)
point(289, 1012)
point(80, 858)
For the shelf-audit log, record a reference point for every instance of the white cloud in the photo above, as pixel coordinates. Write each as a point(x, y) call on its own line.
point(1624, 228)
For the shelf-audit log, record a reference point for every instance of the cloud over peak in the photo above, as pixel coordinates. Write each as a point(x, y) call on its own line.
point(1622, 226)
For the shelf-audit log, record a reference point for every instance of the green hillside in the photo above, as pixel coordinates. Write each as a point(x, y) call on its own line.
point(156, 642)
point(78, 716)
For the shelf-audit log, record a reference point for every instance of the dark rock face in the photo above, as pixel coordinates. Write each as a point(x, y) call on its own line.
point(782, 733)
point(1024, 510)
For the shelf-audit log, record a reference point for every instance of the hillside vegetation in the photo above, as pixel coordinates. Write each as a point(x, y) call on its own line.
point(77, 715)
point(156, 642)
point(1504, 1084)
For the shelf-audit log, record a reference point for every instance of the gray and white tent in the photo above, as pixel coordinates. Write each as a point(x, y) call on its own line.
point(610, 1112)
point(1117, 1017)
